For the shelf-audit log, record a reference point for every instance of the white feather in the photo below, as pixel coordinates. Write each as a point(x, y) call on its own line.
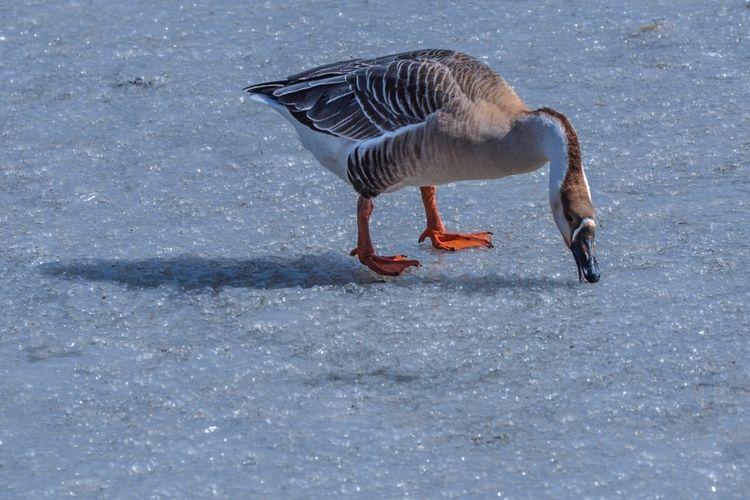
point(331, 151)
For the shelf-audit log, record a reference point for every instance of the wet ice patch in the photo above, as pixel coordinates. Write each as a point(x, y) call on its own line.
point(45, 352)
point(146, 82)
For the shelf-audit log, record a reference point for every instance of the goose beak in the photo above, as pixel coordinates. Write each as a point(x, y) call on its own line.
point(583, 252)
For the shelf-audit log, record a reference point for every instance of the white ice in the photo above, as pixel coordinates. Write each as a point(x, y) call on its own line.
point(179, 315)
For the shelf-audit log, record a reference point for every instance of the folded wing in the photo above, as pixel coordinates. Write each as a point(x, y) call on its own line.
point(363, 99)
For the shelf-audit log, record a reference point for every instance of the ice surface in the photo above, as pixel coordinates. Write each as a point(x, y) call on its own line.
point(179, 315)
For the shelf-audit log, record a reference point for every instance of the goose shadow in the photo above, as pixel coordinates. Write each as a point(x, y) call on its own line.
point(271, 272)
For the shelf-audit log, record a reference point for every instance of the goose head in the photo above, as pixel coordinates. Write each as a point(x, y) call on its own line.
point(579, 234)
point(582, 248)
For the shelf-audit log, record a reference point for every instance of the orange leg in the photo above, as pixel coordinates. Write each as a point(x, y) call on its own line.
point(436, 230)
point(390, 266)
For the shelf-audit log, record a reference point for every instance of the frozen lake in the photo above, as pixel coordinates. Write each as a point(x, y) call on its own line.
point(179, 314)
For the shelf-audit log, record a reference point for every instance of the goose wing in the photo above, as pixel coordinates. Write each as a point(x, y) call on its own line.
point(367, 98)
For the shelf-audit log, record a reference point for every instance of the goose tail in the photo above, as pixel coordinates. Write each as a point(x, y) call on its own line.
point(263, 92)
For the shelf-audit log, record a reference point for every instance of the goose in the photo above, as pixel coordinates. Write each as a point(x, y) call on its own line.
point(426, 118)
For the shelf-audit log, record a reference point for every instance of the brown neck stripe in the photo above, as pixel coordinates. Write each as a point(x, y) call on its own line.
point(574, 149)
point(573, 192)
